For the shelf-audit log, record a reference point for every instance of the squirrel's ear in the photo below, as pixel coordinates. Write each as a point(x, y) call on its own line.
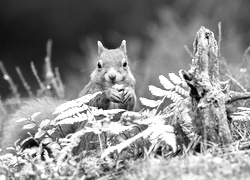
point(123, 47)
point(101, 48)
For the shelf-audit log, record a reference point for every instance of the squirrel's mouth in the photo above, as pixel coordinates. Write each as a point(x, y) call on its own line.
point(115, 81)
point(112, 83)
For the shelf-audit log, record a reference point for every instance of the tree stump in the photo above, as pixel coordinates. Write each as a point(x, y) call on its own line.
point(208, 98)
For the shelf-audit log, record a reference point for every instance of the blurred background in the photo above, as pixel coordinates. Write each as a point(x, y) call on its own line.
point(155, 31)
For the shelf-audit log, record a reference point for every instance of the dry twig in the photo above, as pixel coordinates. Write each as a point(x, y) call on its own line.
point(24, 82)
point(7, 77)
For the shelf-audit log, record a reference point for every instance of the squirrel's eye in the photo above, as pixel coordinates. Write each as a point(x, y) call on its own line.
point(99, 65)
point(125, 63)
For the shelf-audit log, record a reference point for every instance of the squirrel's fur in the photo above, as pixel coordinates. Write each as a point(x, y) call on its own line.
point(111, 76)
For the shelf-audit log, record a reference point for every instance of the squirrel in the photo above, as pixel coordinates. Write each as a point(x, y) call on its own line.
point(111, 76)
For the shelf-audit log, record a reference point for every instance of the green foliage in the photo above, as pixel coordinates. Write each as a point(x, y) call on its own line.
point(133, 135)
point(147, 134)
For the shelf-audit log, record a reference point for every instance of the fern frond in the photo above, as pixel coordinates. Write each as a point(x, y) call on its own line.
point(80, 102)
point(243, 108)
point(73, 119)
point(150, 103)
point(148, 113)
point(157, 132)
point(76, 110)
point(69, 113)
point(85, 99)
point(109, 112)
point(175, 97)
point(116, 128)
point(242, 115)
point(165, 82)
point(181, 91)
point(131, 115)
point(175, 79)
point(239, 118)
point(157, 91)
point(70, 105)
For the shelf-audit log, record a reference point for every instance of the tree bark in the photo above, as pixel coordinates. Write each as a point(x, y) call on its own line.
point(207, 96)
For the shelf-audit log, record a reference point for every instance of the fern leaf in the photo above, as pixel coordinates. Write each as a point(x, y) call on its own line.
point(46, 141)
point(72, 120)
point(243, 108)
point(65, 106)
point(134, 115)
point(239, 118)
point(51, 131)
point(69, 113)
point(80, 102)
point(9, 148)
point(246, 112)
point(22, 120)
point(165, 82)
point(85, 99)
point(242, 113)
point(44, 123)
point(40, 133)
point(29, 126)
point(35, 115)
point(150, 103)
point(157, 91)
point(54, 146)
point(181, 91)
point(116, 128)
point(175, 79)
point(175, 97)
point(70, 105)
point(114, 111)
point(98, 112)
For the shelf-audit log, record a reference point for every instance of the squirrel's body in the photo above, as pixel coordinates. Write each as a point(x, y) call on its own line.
point(111, 76)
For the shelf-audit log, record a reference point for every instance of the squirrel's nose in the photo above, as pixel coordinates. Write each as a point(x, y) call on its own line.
point(112, 77)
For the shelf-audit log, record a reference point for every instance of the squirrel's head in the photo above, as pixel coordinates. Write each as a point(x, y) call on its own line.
point(112, 66)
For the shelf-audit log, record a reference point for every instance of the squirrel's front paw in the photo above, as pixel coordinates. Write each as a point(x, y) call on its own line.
point(114, 95)
point(128, 94)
